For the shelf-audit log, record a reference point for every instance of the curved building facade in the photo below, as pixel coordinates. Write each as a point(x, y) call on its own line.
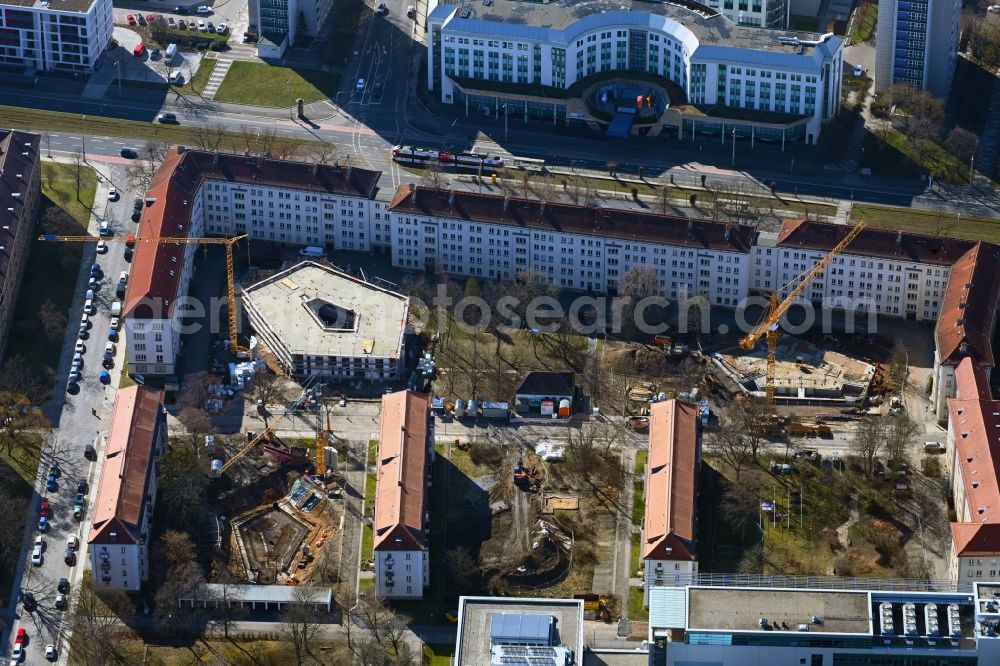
point(537, 58)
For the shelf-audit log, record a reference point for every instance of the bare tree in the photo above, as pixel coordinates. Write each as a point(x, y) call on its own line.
point(300, 623)
point(740, 203)
point(914, 103)
point(639, 282)
point(900, 432)
point(77, 164)
point(525, 177)
point(868, 443)
point(433, 176)
point(23, 427)
point(982, 40)
point(755, 422)
point(209, 137)
point(225, 615)
point(184, 578)
point(10, 540)
point(266, 389)
point(285, 149)
point(962, 143)
point(329, 153)
point(97, 619)
point(53, 321)
point(731, 446)
point(158, 28)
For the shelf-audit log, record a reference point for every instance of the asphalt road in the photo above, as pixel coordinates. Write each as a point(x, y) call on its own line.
point(78, 420)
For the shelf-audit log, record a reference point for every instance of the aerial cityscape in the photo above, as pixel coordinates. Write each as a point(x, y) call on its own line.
point(500, 332)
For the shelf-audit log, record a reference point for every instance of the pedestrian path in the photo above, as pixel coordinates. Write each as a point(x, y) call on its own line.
point(215, 80)
point(843, 215)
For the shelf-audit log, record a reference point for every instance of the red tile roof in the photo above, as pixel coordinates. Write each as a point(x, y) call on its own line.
point(668, 529)
point(971, 382)
point(155, 275)
point(402, 472)
point(562, 217)
point(972, 540)
point(126, 467)
point(882, 243)
point(969, 307)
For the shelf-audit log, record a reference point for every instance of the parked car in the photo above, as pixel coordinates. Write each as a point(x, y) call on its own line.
point(164, 119)
point(858, 70)
point(63, 585)
point(380, 8)
point(45, 509)
point(202, 27)
point(128, 153)
point(89, 452)
point(72, 542)
point(36, 556)
point(131, 19)
point(113, 335)
point(360, 85)
point(69, 557)
point(50, 650)
point(150, 18)
point(171, 22)
point(177, 79)
point(50, 485)
point(43, 524)
point(82, 486)
point(154, 54)
point(60, 601)
point(140, 19)
point(22, 637)
point(222, 29)
point(55, 470)
point(182, 24)
point(17, 654)
point(139, 50)
point(203, 9)
point(112, 193)
point(105, 377)
point(102, 247)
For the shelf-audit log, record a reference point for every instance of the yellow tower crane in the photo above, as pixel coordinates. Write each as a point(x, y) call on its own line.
point(768, 325)
point(268, 431)
point(164, 240)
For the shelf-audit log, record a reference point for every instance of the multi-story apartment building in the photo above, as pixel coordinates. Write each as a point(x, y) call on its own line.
point(55, 35)
point(737, 625)
point(196, 193)
point(973, 453)
point(967, 322)
point(405, 453)
point(126, 492)
point(579, 248)
point(519, 59)
point(320, 322)
point(20, 188)
point(884, 272)
point(917, 44)
point(278, 23)
point(669, 526)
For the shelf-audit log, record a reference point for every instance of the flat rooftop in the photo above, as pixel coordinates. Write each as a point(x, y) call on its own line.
point(79, 6)
point(535, 20)
point(476, 615)
point(740, 609)
point(316, 310)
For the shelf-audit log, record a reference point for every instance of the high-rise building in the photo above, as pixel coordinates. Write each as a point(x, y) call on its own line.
point(917, 43)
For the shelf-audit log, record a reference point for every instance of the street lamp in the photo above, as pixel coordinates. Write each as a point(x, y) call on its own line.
point(291, 111)
point(505, 122)
point(733, 164)
point(972, 168)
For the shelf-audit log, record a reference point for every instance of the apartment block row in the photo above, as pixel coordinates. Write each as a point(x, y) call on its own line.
point(68, 36)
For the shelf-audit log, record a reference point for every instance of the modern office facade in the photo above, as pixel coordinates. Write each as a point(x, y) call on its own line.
point(758, 13)
point(278, 23)
point(20, 190)
point(750, 626)
point(55, 35)
point(526, 60)
point(917, 44)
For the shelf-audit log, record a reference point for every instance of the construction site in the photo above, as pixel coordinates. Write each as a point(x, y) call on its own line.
point(803, 372)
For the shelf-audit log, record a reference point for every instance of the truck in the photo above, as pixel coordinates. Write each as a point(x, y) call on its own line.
point(170, 53)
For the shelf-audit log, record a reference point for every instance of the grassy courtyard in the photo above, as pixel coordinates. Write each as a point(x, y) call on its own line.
point(265, 85)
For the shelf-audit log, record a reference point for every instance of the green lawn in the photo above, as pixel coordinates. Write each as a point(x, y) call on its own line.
point(867, 16)
point(930, 222)
point(640, 460)
point(267, 85)
point(51, 270)
point(636, 554)
point(461, 460)
point(635, 609)
point(900, 157)
point(125, 380)
point(200, 78)
point(438, 655)
point(638, 503)
point(372, 451)
point(76, 124)
point(367, 543)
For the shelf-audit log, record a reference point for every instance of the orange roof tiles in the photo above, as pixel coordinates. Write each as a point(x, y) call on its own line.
point(883, 243)
point(155, 276)
point(969, 306)
point(125, 470)
point(402, 471)
point(668, 530)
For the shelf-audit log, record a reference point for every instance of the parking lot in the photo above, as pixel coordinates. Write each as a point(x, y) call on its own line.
point(80, 413)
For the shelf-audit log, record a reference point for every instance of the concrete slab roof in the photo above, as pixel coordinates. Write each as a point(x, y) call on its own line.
point(740, 609)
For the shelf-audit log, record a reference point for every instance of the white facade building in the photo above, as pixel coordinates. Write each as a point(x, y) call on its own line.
point(578, 247)
point(197, 193)
point(55, 35)
point(320, 322)
point(278, 23)
point(758, 13)
point(553, 46)
point(123, 506)
point(917, 44)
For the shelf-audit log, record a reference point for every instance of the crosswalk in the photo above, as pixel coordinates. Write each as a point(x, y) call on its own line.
point(215, 80)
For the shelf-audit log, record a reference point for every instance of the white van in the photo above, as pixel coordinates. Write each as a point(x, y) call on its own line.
point(116, 309)
point(169, 54)
point(312, 251)
point(88, 307)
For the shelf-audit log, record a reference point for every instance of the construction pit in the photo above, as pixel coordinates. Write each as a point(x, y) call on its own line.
point(804, 373)
point(277, 539)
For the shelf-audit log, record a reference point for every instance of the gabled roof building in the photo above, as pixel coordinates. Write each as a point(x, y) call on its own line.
point(126, 491)
point(404, 456)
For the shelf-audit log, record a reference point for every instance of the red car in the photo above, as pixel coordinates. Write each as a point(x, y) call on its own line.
point(139, 50)
point(45, 508)
point(149, 18)
point(130, 19)
point(22, 637)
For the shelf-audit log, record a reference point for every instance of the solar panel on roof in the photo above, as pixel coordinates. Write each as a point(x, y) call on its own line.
point(541, 652)
point(541, 661)
point(515, 650)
